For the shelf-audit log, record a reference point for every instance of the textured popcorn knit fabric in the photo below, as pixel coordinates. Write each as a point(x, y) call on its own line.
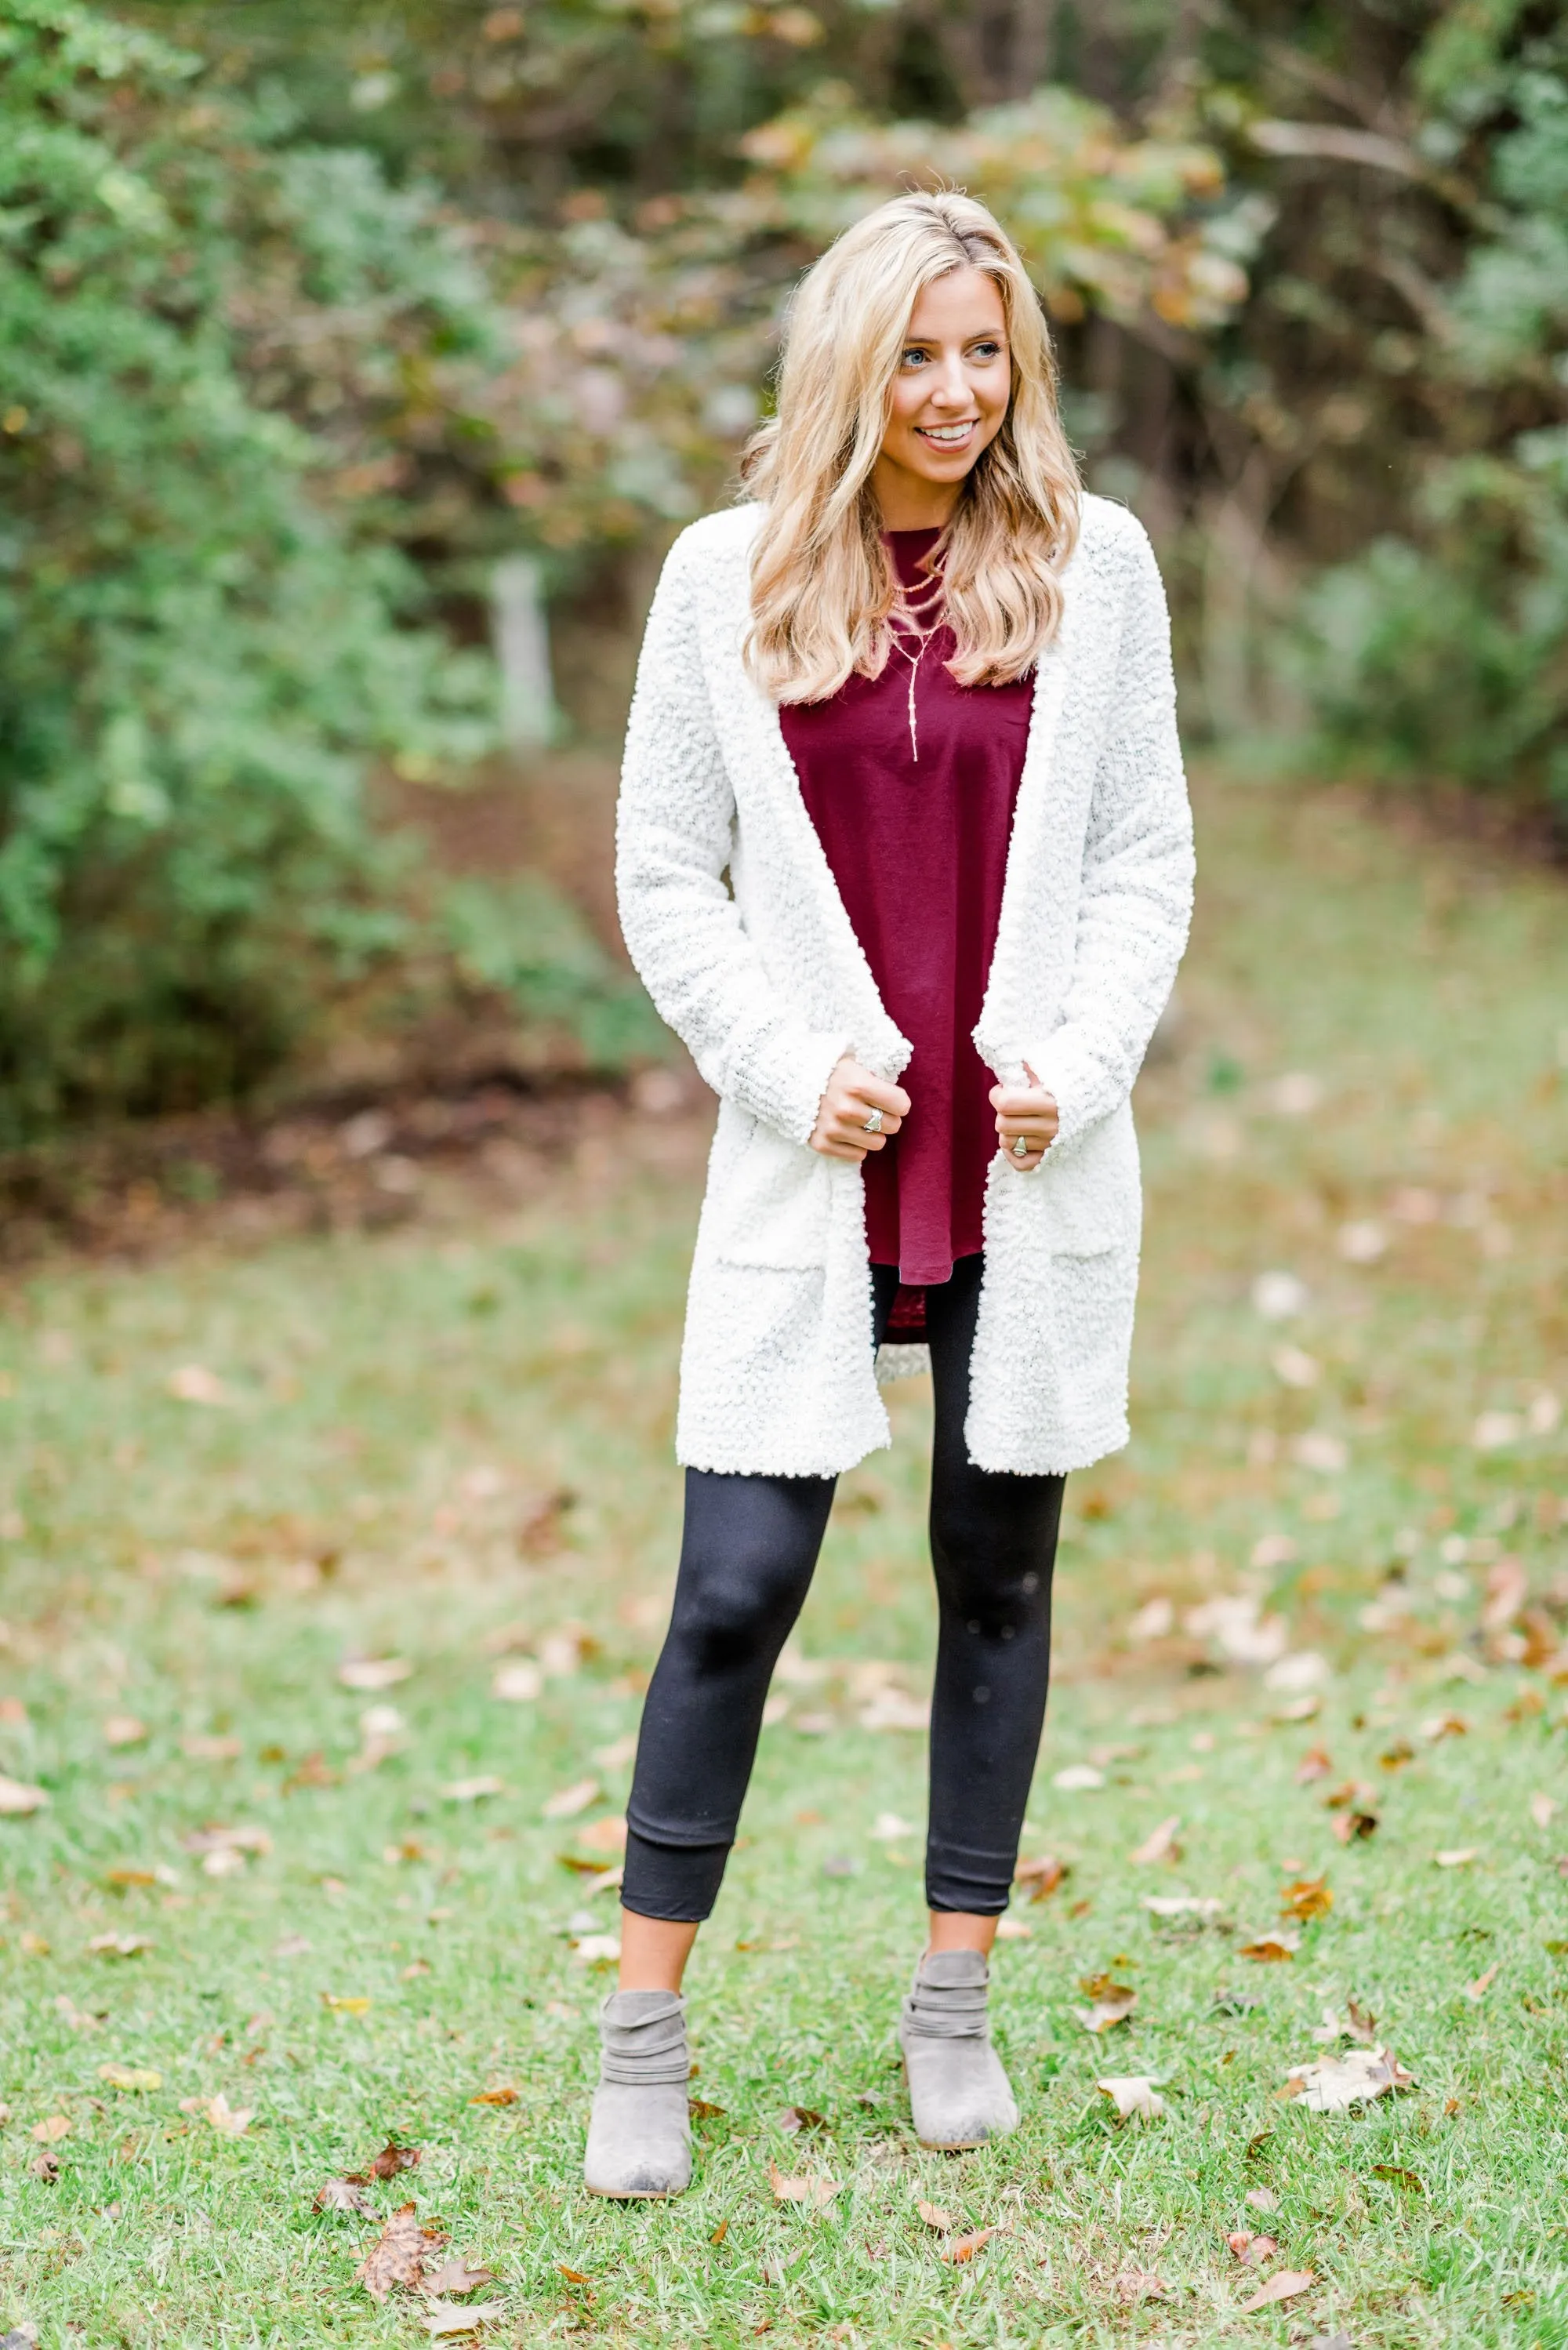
point(733, 920)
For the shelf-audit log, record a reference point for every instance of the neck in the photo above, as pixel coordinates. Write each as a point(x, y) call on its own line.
point(908, 503)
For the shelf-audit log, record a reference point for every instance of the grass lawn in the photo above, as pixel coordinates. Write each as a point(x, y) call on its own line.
point(228, 1476)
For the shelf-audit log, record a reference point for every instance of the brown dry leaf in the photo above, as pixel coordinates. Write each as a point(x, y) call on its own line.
point(703, 2110)
point(1395, 1756)
point(1316, 1763)
point(1507, 1586)
point(1456, 1855)
point(119, 1946)
point(1347, 1826)
point(1159, 1844)
point(573, 2276)
point(796, 2119)
point(1279, 1943)
point(203, 1748)
point(1253, 2250)
point(1309, 1896)
point(1112, 2002)
point(1541, 1807)
point(457, 2277)
point(1140, 2284)
point(1283, 2287)
point(1133, 2095)
point(229, 2121)
point(1042, 1874)
point(124, 1730)
point(1261, 2199)
point(194, 1383)
point(341, 2195)
point(803, 2188)
point(74, 2016)
point(51, 2131)
point(17, 1799)
point(473, 1791)
point(567, 1802)
point(399, 2254)
point(392, 2158)
point(934, 2217)
point(1332, 2085)
point(964, 2248)
point(1405, 2177)
point(507, 2096)
point(607, 1835)
point(719, 2232)
point(46, 2167)
point(1478, 1990)
point(345, 2002)
point(32, 1945)
point(1444, 1725)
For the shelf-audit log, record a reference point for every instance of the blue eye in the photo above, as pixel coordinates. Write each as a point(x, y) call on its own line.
point(911, 356)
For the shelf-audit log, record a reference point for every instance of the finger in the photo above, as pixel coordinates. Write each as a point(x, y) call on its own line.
point(829, 1147)
point(877, 1094)
point(853, 1114)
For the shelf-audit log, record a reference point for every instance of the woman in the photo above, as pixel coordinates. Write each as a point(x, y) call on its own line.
point(905, 857)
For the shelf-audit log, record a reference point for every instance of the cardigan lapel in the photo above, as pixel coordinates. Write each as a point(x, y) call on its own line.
point(1044, 858)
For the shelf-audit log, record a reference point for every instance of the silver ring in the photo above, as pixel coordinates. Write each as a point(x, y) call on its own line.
point(873, 1125)
point(1020, 1149)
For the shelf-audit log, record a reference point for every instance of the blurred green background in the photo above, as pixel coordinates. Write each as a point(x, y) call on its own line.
point(356, 365)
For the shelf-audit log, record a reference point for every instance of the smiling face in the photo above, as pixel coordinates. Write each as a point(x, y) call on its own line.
point(950, 399)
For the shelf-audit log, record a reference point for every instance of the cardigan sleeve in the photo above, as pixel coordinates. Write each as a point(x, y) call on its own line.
point(1134, 907)
point(674, 840)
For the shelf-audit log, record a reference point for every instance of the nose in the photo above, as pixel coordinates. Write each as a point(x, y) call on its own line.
point(950, 389)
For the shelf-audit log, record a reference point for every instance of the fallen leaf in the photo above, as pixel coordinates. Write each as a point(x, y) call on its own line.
point(1013, 1930)
point(518, 1683)
point(1280, 1943)
point(32, 1945)
point(567, 1802)
point(1113, 2004)
point(605, 1836)
point(119, 1946)
point(1133, 2093)
point(1261, 2199)
point(1253, 2250)
point(1294, 1367)
point(1283, 2287)
point(46, 2166)
point(1309, 1896)
point(1444, 1725)
point(441, 2320)
point(1332, 2085)
point(210, 1840)
point(796, 2119)
point(1182, 1904)
point(345, 2002)
point(1478, 1990)
point(1043, 1874)
point(124, 1730)
point(719, 2232)
point(473, 1791)
point(573, 2276)
point(1456, 1855)
point(341, 2195)
point(370, 1674)
point(1159, 1844)
point(74, 2016)
point(228, 2120)
point(702, 2110)
point(392, 2158)
point(457, 2277)
point(50, 2132)
point(1347, 1826)
point(194, 1383)
point(1316, 1763)
point(1140, 2284)
point(1405, 2177)
point(202, 1748)
point(399, 2254)
point(1079, 1778)
point(803, 2188)
point(17, 1800)
point(1507, 1587)
point(964, 2248)
point(1541, 1809)
point(934, 2217)
point(1152, 1621)
point(507, 2096)
point(597, 1949)
point(129, 2077)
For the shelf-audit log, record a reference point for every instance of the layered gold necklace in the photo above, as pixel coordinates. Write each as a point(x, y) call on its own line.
point(917, 613)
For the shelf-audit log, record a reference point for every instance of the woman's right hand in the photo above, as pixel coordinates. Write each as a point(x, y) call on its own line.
point(852, 1093)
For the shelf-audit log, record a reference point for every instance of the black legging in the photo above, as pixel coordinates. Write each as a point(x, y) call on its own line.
point(747, 1556)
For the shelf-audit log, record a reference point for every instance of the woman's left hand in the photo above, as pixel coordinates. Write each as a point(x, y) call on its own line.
point(1026, 1114)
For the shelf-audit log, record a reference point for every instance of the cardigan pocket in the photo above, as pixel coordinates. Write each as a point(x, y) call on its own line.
point(772, 1204)
point(1086, 1203)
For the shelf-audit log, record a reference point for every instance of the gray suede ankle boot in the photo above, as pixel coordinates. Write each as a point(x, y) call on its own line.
point(639, 2132)
point(957, 2090)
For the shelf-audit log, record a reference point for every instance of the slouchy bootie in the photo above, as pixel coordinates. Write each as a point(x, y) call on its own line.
point(958, 2089)
point(639, 2132)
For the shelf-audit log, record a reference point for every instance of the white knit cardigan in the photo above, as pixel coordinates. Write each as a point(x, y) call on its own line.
point(736, 925)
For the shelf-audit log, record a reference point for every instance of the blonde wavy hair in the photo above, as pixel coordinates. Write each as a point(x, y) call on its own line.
point(822, 584)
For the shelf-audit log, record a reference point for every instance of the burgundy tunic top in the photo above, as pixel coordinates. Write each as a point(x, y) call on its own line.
point(919, 850)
